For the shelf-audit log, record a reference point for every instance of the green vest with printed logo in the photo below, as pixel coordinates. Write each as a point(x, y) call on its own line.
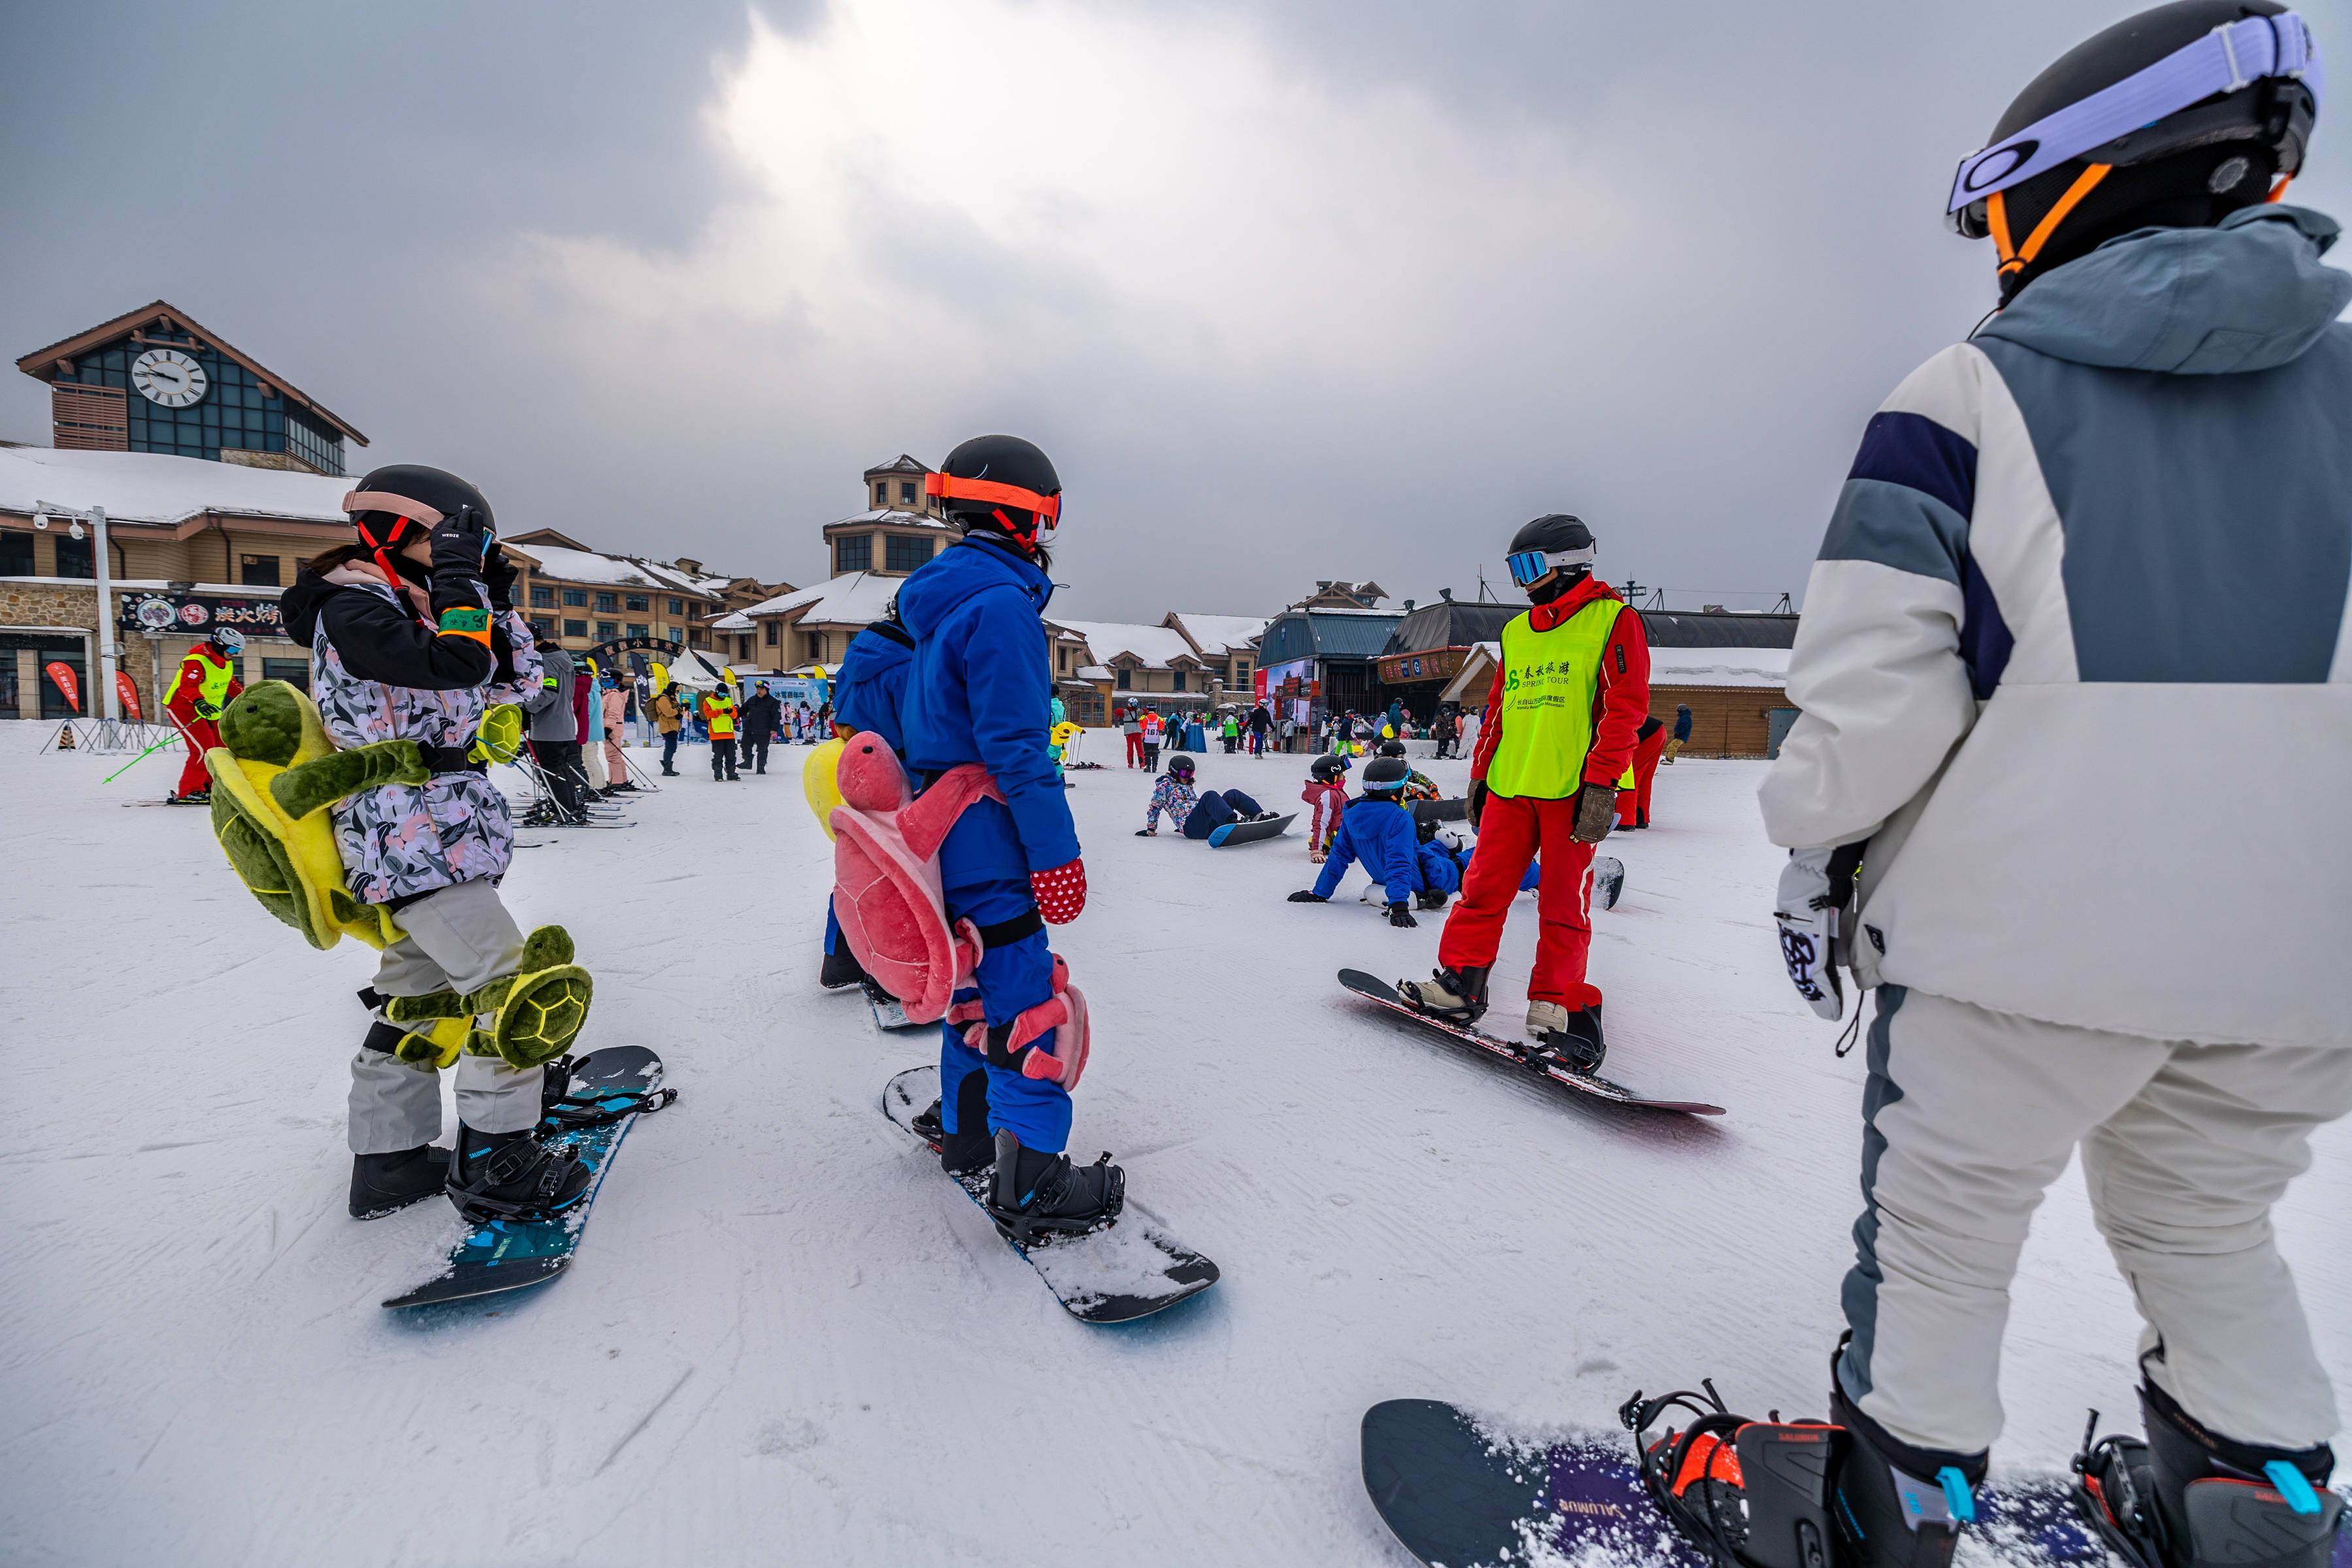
point(1552, 681)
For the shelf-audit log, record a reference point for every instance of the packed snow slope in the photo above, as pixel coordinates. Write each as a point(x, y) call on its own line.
point(789, 1338)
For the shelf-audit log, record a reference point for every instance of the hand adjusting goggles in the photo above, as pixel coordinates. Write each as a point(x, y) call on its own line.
point(2109, 122)
point(1530, 567)
point(1045, 509)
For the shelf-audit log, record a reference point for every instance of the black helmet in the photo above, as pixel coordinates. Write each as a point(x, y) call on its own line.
point(1001, 483)
point(1328, 768)
point(2219, 103)
point(391, 504)
point(1180, 766)
point(1385, 775)
point(1550, 544)
point(1392, 748)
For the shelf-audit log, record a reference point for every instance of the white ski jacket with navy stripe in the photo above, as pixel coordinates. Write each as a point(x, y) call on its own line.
point(2073, 658)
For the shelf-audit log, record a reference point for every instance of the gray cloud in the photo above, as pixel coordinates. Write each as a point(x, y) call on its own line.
point(1288, 290)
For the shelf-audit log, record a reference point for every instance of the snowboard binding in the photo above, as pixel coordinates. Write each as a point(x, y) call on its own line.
point(1747, 1494)
point(560, 1110)
point(1035, 1197)
point(2184, 1497)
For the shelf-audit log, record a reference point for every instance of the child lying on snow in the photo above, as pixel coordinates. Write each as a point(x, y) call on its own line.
point(1200, 814)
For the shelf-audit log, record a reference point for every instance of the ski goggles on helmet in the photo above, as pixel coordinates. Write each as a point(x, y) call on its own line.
point(2112, 120)
point(1530, 567)
point(1045, 510)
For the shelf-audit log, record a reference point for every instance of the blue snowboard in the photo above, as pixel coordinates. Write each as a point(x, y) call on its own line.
point(620, 1082)
point(1455, 1494)
point(1250, 832)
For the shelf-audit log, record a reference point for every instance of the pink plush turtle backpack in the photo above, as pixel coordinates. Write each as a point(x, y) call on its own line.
point(886, 896)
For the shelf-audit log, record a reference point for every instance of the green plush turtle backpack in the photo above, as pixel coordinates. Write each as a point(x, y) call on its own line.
point(274, 774)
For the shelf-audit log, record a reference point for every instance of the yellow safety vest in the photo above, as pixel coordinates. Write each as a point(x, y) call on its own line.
point(719, 714)
point(212, 679)
point(1550, 684)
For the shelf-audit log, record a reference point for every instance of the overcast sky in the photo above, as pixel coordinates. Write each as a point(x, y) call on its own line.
point(1290, 290)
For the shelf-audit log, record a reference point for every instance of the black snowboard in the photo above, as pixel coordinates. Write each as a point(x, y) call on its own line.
point(609, 1090)
point(1457, 810)
point(1250, 832)
point(1128, 1269)
point(1457, 1494)
point(1381, 991)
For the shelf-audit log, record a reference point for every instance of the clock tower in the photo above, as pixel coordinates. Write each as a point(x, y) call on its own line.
point(154, 381)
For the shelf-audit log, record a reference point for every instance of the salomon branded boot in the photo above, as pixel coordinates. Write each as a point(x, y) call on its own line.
point(1896, 1506)
point(2211, 1498)
point(386, 1183)
point(1038, 1195)
point(1458, 994)
point(508, 1176)
point(1572, 1040)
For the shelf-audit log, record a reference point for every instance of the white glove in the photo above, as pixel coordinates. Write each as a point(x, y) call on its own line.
point(1807, 918)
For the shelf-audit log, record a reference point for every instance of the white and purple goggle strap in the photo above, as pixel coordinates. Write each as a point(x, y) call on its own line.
point(2232, 55)
point(1532, 565)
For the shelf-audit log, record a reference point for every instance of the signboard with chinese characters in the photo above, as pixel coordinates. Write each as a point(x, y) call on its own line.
point(195, 615)
point(1430, 664)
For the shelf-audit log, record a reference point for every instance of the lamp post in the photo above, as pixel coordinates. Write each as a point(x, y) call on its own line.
point(107, 652)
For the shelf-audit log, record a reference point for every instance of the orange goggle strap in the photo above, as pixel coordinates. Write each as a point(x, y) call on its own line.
point(2016, 258)
point(2279, 190)
point(1048, 508)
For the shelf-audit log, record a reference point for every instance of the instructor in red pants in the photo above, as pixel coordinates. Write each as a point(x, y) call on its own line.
point(1633, 790)
point(1568, 701)
point(206, 683)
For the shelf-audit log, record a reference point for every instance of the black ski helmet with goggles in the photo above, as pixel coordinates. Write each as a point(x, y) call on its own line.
point(1546, 545)
point(1386, 775)
point(1180, 766)
point(2174, 118)
point(396, 504)
point(1003, 484)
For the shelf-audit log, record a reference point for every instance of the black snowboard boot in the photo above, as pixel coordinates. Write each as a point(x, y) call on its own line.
point(1896, 1506)
point(1038, 1195)
point(841, 968)
point(969, 1148)
point(1575, 1043)
point(386, 1183)
point(1459, 996)
point(2204, 1498)
point(508, 1175)
point(1429, 898)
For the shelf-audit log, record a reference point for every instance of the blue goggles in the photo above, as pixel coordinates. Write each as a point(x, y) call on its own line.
point(1530, 567)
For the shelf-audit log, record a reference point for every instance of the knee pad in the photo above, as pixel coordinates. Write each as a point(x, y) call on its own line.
point(1048, 1041)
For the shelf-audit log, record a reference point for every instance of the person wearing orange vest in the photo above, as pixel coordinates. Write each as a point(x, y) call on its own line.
point(719, 713)
point(206, 683)
point(1569, 697)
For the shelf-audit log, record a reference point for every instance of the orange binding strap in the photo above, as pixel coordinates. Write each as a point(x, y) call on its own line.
point(1997, 219)
point(948, 486)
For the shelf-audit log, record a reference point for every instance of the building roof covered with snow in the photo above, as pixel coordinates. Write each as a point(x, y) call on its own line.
point(1218, 634)
point(858, 599)
point(1153, 648)
point(148, 487)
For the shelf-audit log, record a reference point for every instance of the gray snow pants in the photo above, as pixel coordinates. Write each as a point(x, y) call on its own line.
point(1969, 1115)
point(459, 937)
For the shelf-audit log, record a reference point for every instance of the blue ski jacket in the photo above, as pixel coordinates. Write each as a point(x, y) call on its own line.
point(1381, 834)
point(980, 692)
point(869, 690)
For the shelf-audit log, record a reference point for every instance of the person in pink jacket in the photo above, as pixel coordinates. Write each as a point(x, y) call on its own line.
point(616, 717)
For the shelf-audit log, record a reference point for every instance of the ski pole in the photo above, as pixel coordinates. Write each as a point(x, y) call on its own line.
point(166, 741)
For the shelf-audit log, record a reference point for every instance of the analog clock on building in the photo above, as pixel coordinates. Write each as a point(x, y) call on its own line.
point(169, 377)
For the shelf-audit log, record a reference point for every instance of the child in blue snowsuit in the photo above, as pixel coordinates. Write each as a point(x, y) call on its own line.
point(980, 692)
point(1379, 830)
point(868, 690)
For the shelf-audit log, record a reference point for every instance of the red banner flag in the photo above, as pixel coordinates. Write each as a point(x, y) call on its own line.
point(61, 675)
point(127, 694)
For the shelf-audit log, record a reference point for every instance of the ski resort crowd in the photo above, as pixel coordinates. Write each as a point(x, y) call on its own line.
point(2042, 572)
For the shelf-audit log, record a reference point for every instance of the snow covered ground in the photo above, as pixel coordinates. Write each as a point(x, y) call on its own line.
point(788, 1339)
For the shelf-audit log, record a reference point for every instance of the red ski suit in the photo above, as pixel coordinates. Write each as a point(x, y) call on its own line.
point(186, 704)
point(1634, 805)
point(1513, 830)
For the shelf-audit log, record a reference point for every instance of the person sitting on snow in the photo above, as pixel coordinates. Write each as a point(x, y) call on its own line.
point(1326, 796)
point(1200, 814)
point(1377, 829)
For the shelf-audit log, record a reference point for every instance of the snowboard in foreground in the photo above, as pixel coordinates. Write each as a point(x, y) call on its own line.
point(609, 1090)
point(1457, 1494)
point(1381, 991)
point(1250, 832)
point(1128, 1269)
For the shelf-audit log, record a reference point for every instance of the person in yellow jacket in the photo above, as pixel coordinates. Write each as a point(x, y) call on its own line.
point(206, 683)
point(719, 713)
point(1570, 693)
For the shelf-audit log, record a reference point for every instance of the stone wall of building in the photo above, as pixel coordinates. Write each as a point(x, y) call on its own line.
point(72, 605)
